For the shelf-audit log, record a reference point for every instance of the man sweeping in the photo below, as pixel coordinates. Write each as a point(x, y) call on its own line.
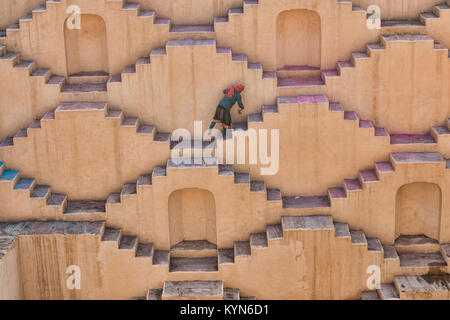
point(223, 115)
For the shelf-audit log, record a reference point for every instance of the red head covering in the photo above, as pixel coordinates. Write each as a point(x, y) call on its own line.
point(229, 92)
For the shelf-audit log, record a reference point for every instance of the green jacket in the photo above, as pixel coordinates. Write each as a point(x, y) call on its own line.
point(228, 103)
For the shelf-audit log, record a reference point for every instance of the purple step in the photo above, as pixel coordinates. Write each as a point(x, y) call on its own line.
point(128, 242)
point(56, 199)
point(146, 129)
point(226, 256)
point(24, 184)
point(117, 114)
point(129, 69)
point(36, 124)
point(417, 157)
point(226, 170)
point(40, 191)
point(144, 180)
point(269, 109)
point(160, 258)
point(236, 11)
point(129, 188)
point(352, 184)
point(162, 21)
point(111, 234)
point(350, 115)
point(257, 186)
point(192, 28)
point(318, 222)
point(337, 193)
point(21, 134)
point(113, 198)
point(304, 202)
point(255, 118)
point(366, 124)
point(56, 80)
point(130, 6)
point(368, 176)
point(162, 137)
point(335, 107)
point(84, 87)
point(85, 206)
point(207, 264)
point(258, 240)
point(159, 171)
point(221, 20)
point(241, 178)
point(7, 142)
point(130, 121)
point(146, 13)
point(41, 72)
point(390, 252)
point(191, 43)
point(274, 231)
point(274, 195)
point(142, 61)
point(300, 82)
point(242, 248)
point(381, 132)
point(384, 167)
point(411, 138)
point(81, 106)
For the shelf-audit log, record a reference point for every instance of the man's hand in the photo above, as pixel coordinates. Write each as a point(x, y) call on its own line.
point(240, 111)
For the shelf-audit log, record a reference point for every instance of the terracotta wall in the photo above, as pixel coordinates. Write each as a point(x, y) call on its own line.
point(10, 275)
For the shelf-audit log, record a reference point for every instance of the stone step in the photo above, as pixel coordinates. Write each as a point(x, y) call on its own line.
point(51, 227)
point(423, 287)
point(314, 223)
point(5, 244)
point(161, 258)
point(231, 294)
point(193, 249)
point(416, 243)
point(302, 82)
point(193, 290)
point(84, 87)
point(416, 157)
point(294, 71)
point(154, 294)
point(358, 237)
point(258, 240)
point(388, 291)
point(429, 260)
point(88, 77)
point(128, 242)
point(242, 249)
point(370, 295)
point(204, 30)
point(305, 202)
point(205, 264)
point(397, 139)
point(145, 250)
point(85, 206)
point(341, 230)
point(112, 235)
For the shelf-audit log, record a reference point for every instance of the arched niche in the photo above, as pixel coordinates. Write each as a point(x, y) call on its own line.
point(298, 38)
point(192, 216)
point(418, 210)
point(86, 48)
